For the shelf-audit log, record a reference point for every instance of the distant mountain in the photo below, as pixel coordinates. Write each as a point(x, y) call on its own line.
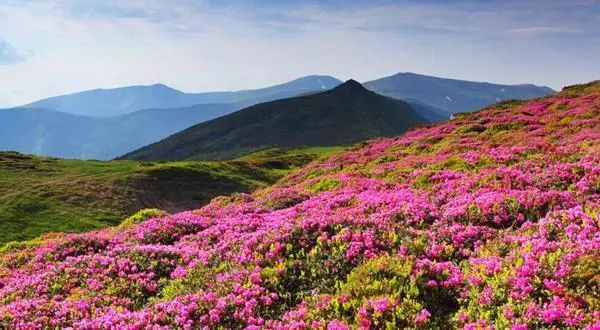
point(430, 112)
point(120, 101)
point(115, 101)
point(106, 123)
point(304, 85)
point(343, 115)
point(48, 132)
point(78, 125)
point(58, 134)
point(452, 95)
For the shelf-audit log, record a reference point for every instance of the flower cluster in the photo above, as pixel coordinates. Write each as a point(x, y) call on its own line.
point(490, 220)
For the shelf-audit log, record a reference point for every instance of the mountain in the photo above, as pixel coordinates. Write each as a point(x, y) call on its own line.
point(104, 124)
point(428, 111)
point(448, 95)
point(49, 132)
point(308, 84)
point(101, 124)
point(487, 221)
point(452, 95)
point(40, 195)
point(120, 101)
point(57, 134)
point(343, 115)
point(116, 101)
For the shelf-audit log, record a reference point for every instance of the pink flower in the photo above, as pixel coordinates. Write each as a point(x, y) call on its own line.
point(337, 325)
point(423, 317)
point(551, 315)
point(486, 296)
point(507, 312)
point(382, 305)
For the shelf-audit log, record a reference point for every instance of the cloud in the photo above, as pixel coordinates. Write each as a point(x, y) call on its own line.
point(9, 54)
point(538, 31)
point(203, 45)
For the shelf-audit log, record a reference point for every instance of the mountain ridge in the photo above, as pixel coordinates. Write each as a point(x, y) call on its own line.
point(91, 137)
point(342, 115)
point(107, 102)
point(452, 95)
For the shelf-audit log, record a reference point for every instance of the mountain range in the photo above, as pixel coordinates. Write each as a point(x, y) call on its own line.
point(106, 123)
point(124, 100)
point(69, 134)
point(344, 115)
point(452, 95)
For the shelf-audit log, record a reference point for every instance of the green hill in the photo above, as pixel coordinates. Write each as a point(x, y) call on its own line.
point(343, 115)
point(39, 195)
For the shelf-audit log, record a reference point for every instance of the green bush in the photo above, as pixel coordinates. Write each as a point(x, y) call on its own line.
point(325, 185)
point(142, 216)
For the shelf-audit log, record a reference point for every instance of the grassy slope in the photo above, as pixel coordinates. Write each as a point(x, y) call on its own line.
point(39, 195)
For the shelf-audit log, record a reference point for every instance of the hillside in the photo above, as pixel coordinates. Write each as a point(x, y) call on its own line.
point(452, 95)
point(124, 100)
point(343, 115)
point(39, 195)
point(487, 221)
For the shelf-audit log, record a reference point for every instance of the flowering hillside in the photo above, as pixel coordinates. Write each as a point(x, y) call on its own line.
point(487, 221)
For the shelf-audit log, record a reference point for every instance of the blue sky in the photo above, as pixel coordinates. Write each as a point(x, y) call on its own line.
point(51, 47)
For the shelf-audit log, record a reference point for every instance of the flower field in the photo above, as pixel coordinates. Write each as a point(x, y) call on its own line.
point(488, 221)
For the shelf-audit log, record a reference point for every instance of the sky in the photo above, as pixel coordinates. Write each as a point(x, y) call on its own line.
point(53, 47)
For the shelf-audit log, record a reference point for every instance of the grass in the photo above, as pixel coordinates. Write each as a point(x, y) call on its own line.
point(40, 195)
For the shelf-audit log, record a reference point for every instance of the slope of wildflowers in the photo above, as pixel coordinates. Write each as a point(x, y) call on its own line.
point(487, 221)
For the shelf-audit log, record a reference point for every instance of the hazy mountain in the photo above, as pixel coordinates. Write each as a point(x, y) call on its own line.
point(79, 126)
point(430, 112)
point(58, 134)
point(304, 85)
point(343, 115)
point(119, 101)
point(452, 95)
point(103, 124)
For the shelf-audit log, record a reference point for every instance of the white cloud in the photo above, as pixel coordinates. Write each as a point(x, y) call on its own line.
point(207, 45)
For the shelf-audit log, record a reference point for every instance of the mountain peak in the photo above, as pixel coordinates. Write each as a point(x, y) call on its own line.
point(352, 82)
point(343, 115)
point(350, 86)
point(313, 82)
point(451, 95)
point(163, 87)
